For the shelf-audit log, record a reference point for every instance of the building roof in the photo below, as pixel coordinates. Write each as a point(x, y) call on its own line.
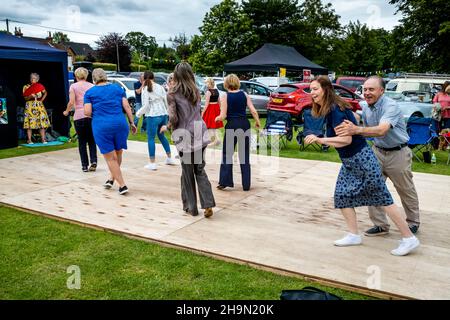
point(80, 49)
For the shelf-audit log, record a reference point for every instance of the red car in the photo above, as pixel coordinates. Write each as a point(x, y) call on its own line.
point(351, 82)
point(294, 97)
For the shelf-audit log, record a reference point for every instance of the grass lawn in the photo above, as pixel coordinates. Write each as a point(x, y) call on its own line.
point(36, 253)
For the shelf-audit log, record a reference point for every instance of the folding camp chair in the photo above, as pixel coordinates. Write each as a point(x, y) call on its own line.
point(278, 129)
point(446, 138)
point(421, 135)
point(312, 125)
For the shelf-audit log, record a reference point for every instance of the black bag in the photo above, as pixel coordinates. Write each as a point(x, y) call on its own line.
point(307, 293)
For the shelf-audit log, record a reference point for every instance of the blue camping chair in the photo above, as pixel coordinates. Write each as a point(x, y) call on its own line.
point(278, 129)
point(421, 135)
point(312, 125)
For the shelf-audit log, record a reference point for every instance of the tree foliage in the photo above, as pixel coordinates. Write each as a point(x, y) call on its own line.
point(226, 34)
point(145, 46)
point(231, 31)
point(181, 44)
point(113, 46)
point(421, 42)
point(364, 49)
point(59, 37)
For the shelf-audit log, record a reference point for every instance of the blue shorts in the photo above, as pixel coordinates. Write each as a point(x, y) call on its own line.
point(110, 137)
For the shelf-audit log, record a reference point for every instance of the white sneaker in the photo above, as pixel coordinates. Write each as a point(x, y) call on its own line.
point(170, 162)
point(349, 240)
point(151, 166)
point(406, 246)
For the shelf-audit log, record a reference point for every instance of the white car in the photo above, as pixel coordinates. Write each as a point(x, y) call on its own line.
point(127, 84)
point(271, 82)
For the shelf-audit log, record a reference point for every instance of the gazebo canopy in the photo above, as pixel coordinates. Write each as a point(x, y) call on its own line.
point(272, 57)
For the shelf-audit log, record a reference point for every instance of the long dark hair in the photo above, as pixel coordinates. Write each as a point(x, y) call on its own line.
point(445, 85)
point(330, 98)
point(184, 79)
point(148, 77)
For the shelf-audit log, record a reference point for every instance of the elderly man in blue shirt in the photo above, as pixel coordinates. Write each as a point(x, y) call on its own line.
point(383, 121)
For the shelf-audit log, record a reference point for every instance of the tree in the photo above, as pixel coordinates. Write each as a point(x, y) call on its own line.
point(59, 37)
point(365, 50)
point(113, 46)
point(165, 58)
point(142, 44)
point(226, 35)
point(181, 44)
point(421, 42)
point(274, 21)
point(317, 37)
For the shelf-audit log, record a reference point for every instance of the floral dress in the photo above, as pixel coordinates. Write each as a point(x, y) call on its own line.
point(35, 114)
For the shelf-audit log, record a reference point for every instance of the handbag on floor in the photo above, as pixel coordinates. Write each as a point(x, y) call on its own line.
point(307, 293)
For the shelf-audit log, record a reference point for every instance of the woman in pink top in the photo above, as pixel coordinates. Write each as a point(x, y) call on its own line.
point(83, 124)
point(443, 98)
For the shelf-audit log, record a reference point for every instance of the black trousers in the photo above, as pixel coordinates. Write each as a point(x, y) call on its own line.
point(83, 128)
point(237, 131)
point(193, 169)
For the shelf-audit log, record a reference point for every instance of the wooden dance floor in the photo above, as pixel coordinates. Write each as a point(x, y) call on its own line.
point(286, 223)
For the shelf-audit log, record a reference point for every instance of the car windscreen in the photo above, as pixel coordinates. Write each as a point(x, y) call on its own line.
point(286, 89)
point(391, 86)
point(351, 83)
point(129, 84)
point(159, 80)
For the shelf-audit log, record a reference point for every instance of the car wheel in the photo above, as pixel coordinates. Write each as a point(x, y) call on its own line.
point(132, 103)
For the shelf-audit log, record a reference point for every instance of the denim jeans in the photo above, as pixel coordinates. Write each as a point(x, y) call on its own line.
point(154, 125)
point(136, 119)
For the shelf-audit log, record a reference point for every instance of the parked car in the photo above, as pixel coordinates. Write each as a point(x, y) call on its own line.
point(411, 105)
point(351, 83)
point(127, 84)
point(271, 82)
point(135, 74)
point(259, 94)
point(115, 75)
point(293, 98)
point(416, 83)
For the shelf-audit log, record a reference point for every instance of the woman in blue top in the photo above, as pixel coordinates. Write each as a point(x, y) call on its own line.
point(105, 103)
point(233, 106)
point(360, 181)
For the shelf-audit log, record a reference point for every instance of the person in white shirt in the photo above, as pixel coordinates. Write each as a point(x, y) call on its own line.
point(154, 107)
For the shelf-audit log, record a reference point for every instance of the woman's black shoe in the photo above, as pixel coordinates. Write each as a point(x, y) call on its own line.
point(108, 184)
point(123, 190)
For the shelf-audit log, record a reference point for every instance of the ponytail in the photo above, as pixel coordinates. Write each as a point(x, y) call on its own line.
point(148, 77)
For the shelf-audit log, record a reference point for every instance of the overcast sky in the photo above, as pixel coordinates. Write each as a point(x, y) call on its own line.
point(161, 19)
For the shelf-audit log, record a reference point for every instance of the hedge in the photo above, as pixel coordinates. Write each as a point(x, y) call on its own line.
point(105, 66)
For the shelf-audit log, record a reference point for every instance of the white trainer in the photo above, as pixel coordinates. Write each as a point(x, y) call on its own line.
point(406, 246)
point(170, 162)
point(349, 240)
point(151, 166)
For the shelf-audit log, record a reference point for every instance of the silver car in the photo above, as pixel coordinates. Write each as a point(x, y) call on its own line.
point(259, 93)
point(410, 105)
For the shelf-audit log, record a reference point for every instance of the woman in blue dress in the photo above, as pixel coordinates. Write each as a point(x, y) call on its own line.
point(105, 103)
point(360, 182)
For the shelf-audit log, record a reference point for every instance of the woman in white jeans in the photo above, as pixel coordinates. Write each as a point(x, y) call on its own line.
point(154, 107)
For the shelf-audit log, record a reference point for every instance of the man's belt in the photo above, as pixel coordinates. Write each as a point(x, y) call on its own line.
point(400, 147)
